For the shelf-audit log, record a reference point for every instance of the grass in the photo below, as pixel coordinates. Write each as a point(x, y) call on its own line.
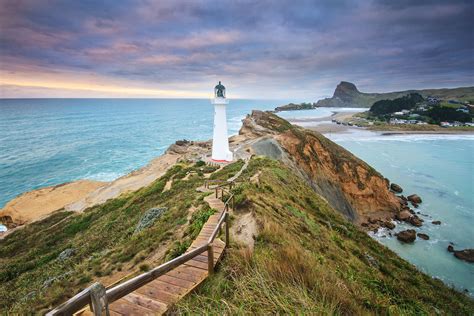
point(309, 260)
point(103, 240)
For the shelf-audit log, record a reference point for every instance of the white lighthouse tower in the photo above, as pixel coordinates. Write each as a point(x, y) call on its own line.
point(220, 140)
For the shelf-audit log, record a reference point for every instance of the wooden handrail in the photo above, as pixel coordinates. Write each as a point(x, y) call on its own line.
point(83, 298)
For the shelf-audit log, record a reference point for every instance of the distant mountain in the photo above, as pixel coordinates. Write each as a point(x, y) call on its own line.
point(347, 95)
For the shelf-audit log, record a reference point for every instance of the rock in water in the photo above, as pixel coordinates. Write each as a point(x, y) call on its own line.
point(149, 218)
point(407, 236)
point(450, 248)
point(423, 236)
point(415, 221)
point(414, 198)
point(466, 255)
point(436, 222)
point(396, 188)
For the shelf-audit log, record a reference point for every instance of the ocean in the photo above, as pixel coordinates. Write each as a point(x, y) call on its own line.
point(46, 142)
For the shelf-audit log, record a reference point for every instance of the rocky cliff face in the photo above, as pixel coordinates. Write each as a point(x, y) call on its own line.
point(345, 91)
point(349, 184)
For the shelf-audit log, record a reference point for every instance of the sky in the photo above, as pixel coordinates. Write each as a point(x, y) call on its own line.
point(259, 49)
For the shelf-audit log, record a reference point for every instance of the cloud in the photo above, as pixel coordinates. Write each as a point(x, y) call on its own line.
point(263, 48)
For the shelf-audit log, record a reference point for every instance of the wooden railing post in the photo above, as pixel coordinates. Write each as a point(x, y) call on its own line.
point(217, 192)
point(99, 302)
point(210, 259)
point(227, 229)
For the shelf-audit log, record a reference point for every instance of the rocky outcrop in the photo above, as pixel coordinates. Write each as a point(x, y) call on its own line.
point(349, 184)
point(396, 188)
point(466, 254)
point(436, 222)
point(407, 236)
point(414, 198)
point(423, 236)
point(347, 95)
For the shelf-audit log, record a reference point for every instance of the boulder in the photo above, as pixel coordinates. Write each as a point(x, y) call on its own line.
point(466, 255)
point(414, 198)
point(450, 248)
point(423, 236)
point(396, 188)
point(407, 236)
point(436, 222)
point(182, 142)
point(389, 224)
point(66, 254)
point(403, 215)
point(415, 205)
point(415, 221)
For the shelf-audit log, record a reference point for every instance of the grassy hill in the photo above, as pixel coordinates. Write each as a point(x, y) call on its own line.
point(308, 258)
point(347, 95)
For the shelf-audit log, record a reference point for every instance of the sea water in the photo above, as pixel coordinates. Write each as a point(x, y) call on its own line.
point(50, 141)
point(45, 142)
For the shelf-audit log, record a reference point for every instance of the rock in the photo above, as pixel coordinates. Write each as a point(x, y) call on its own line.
point(403, 215)
point(414, 204)
point(407, 236)
point(403, 198)
point(371, 260)
point(66, 254)
point(436, 222)
point(149, 218)
point(396, 188)
point(414, 198)
point(423, 236)
point(450, 248)
point(48, 282)
point(415, 221)
point(466, 255)
point(389, 224)
point(182, 142)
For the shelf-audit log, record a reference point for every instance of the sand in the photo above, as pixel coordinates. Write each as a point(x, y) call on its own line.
point(131, 182)
point(78, 195)
point(34, 205)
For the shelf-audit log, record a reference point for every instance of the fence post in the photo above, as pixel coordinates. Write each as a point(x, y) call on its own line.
point(226, 229)
point(210, 259)
point(217, 194)
point(99, 300)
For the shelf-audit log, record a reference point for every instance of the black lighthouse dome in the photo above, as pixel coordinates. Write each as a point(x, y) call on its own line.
point(219, 91)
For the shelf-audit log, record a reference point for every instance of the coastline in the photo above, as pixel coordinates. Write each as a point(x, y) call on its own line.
point(325, 125)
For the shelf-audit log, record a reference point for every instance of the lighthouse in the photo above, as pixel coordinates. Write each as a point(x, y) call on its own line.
point(220, 140)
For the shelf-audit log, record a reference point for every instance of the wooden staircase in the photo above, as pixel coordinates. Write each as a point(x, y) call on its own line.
point(156, 297)
point(155, 291)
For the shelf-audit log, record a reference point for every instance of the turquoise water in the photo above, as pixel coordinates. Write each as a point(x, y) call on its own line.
point(439, 168)
point(47, 142)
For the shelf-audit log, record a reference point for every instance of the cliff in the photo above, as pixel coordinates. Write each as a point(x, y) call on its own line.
point(350, 185)
point(346, 94)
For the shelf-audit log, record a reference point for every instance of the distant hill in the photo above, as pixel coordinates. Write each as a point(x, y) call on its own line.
point(347, 95)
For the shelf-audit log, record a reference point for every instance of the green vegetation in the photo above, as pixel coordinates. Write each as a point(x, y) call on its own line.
point(407, 102)
point(442, 113)
point(309, 260)
point(103, 243)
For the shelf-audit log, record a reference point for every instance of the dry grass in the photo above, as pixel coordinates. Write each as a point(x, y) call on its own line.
point(309, 260)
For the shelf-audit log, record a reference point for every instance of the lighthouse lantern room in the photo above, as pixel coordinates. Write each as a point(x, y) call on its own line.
point(220, 140)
